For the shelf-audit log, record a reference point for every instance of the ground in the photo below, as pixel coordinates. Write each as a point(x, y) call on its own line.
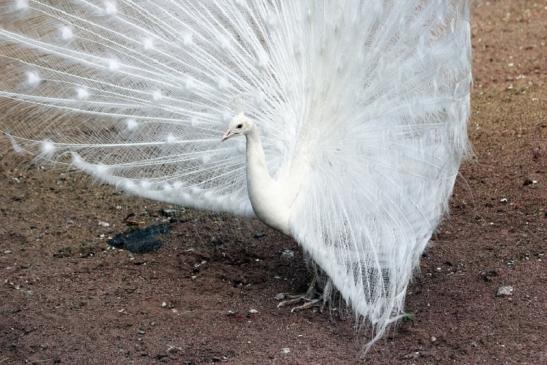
point(207, 295)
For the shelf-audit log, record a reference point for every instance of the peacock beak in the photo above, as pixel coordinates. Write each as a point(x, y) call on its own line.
point(227, 135)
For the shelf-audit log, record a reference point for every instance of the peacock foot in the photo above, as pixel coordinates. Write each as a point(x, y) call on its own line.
point(312, 298)
point(308, 302)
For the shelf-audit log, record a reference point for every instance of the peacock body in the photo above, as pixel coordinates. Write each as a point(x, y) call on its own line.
point(354, 114)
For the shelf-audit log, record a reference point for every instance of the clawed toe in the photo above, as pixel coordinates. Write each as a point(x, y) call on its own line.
point(311, 299)
point(308, 305)
point(295, 299)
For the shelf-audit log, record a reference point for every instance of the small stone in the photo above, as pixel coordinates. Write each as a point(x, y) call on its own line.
point(141, 332)
point(216, 241)
point(7, 252)
point(528, 181)
point(19, 198)
point(259, 235)
point(287, 254)
point(504, 291)
point(104, 224)
point(280, 296)
point(487, 275)
point(173, 349)
point(164, 304)
point(433, 338)
point(504, 200)
point(536, 153)
point(253, 311)
point(171, 213)
point(285, 350)
point(412, 355)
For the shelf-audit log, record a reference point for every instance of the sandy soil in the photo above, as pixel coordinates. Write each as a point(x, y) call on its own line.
point(66, 298)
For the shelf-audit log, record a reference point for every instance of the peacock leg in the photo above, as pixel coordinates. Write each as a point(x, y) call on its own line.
point(311, 298)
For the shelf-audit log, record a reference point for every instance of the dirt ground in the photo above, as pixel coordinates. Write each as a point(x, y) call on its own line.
point(67, 298)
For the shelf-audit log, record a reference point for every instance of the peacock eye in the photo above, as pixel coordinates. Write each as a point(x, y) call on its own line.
point(239, 126)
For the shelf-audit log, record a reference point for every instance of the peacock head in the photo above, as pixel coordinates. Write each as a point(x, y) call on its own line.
point(239, 126)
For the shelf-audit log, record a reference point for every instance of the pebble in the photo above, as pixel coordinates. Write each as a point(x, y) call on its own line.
point(487, 275)
point(504, 291)
point(167, 212)
point(285, 350)
point(253, 311)
point(173, 349)
point(287, 254)
point(104, 224)
point(259, 235)
point(280, 296)
point(164, 304)
point(529, 181)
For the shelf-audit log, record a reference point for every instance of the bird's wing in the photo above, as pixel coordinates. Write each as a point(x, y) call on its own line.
point(139, 93)
point(382, 137)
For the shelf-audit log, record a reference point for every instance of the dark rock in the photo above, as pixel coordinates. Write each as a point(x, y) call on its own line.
point(217, 241)
point(162, 357)
point(140, 240)
point(63, 252)
point(488, 275)
point(258, 235)
point(170, 213)
point(18, 198)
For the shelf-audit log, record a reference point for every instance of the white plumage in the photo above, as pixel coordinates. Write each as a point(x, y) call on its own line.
point(355, 115)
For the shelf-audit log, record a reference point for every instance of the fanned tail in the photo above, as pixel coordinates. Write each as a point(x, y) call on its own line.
point(362, 104)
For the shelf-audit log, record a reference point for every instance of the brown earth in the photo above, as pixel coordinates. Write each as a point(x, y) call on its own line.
point(66, 298)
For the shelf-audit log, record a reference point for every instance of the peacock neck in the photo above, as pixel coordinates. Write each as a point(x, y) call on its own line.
point(256, 159)
point(266, 197)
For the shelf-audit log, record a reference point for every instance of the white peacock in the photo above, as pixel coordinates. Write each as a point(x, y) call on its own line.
point(355, 116)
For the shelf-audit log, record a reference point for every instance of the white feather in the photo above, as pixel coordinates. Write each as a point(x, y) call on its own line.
point(361, 105)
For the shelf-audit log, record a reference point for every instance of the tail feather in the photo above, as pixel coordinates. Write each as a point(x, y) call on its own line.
point(364, 102)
